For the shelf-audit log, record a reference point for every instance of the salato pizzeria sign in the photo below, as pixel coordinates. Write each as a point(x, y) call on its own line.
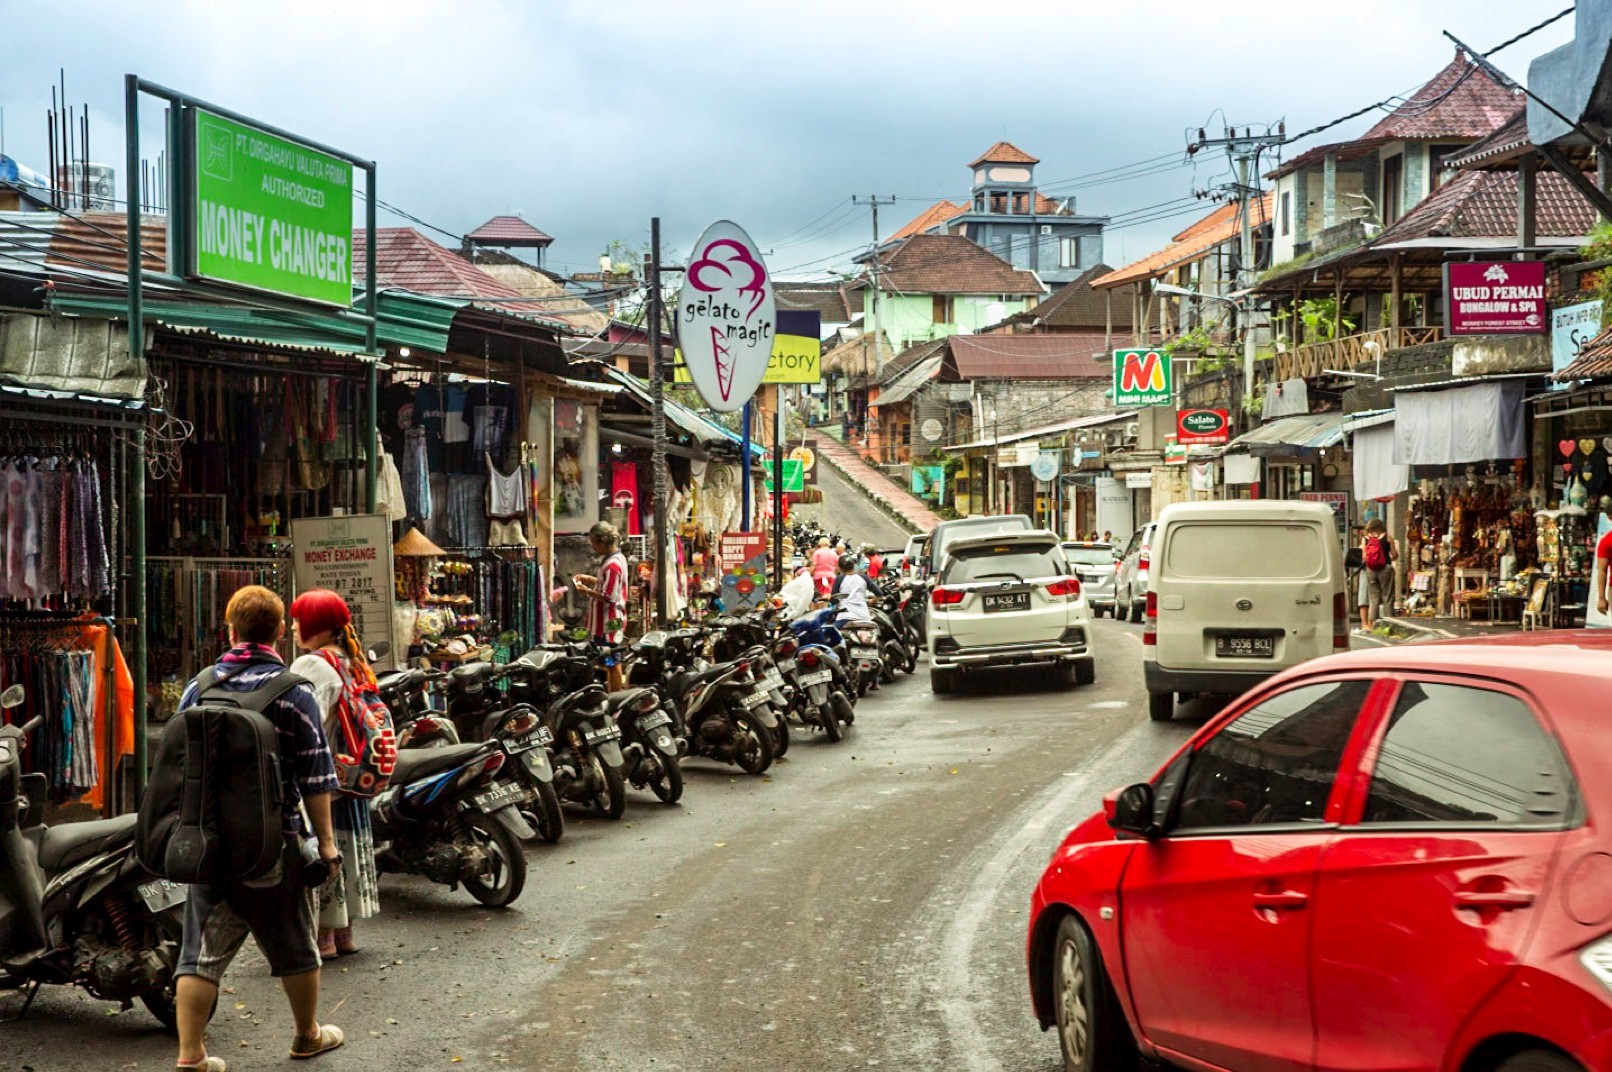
point(1495, 298)
point(726, 317)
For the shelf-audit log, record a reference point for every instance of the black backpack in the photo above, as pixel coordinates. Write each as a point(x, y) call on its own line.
point(213, 809)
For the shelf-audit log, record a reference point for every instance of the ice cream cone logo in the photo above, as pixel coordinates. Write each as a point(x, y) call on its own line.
point(726, 317)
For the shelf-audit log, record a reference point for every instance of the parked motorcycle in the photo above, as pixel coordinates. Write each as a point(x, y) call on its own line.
point(588, 761)
point(717, 706)
point(76, 907)
point(865, 655)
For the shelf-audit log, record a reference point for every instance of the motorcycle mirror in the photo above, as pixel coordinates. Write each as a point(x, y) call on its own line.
point(379, 650)
point(13, 697)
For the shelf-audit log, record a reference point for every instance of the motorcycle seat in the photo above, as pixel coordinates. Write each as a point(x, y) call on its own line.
point(415, 763)
point(625, 698)
point(71, 844)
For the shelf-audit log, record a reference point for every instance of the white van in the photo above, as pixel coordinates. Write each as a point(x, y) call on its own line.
point(1238, 591)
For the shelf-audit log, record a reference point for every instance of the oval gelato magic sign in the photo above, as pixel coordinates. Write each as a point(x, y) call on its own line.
point(726, 317)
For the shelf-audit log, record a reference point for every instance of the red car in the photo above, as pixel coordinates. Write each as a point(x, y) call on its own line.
point(1391, 860)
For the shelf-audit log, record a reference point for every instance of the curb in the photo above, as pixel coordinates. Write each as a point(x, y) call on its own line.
point(1418, 630)
point(885, 505)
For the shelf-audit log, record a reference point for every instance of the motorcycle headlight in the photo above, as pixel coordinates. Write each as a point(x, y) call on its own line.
point(1597, 960)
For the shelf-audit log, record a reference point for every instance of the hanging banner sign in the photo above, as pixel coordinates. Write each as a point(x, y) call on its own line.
point(797, 352)
point(1495, 298)
point(794, 475)
point(351, 556)
point(806, 454)
point(1202, 427)
point(1571, 329)
point(726, 317)
point(1143, 378)
point(268, 213)
point(742, 558)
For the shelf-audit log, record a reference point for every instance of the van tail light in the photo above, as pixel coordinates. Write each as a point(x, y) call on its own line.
point(1340, 622)
point(1150, 626)
point(946, 597)
point(1068, 588)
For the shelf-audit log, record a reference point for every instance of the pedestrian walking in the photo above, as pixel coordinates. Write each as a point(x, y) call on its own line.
point(1377, 555)
point(277, 910)
point(322, 626)
point(875, 562)
point(825, 563)
point(607, 594)
point(1603, 564)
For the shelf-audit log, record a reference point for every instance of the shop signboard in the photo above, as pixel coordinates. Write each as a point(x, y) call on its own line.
point(1571, 328)
point(1045, 465)
point(742, 559)
point(806, 454)
point(1203, 427)
point(794, 475)
point(1338, 500)
point(268, 213)
point(352, 556)
point(1141, 479)
point(1143, 378)
point(1007, 457)
point(726, 317)
point(797, 351)
point(1175, 453)
point(1495, 298)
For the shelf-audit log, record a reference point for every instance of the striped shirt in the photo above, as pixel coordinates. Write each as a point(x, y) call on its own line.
point(613, 587)
point(306, 768)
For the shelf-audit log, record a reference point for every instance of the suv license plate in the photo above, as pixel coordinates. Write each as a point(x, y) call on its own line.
point(1006, 601)
point(500, 796)
point(161, 895)
point(1245, 647)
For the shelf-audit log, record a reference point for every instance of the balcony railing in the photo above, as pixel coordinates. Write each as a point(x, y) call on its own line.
point(1349, 352)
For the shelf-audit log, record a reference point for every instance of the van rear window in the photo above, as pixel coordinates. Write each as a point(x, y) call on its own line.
point(1244, 551)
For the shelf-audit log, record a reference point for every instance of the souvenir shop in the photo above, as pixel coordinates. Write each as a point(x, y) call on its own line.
point(1573, 442)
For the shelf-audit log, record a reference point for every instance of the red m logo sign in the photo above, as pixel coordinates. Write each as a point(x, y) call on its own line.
point(1142, 372)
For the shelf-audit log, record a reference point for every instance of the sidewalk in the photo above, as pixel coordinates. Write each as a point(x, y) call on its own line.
point(890, 497)
point(1411, 630)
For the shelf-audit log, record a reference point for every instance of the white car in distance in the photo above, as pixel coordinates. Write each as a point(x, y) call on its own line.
point(1009, 599)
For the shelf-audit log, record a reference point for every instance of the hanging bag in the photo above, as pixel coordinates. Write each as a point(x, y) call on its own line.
point(365, 743)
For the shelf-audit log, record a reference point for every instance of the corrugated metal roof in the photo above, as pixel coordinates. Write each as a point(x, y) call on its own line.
point(910, 381)
point(1369, 419)
point(1049, 429)
point(704, 430)
point(1029, 357)
point(1313, 431)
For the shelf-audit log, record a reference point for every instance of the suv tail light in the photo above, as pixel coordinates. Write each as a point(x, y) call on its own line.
point(946, 597)
point(1142, 563)
point(1150, 627)
point(1340, 622)
point(1067, 588)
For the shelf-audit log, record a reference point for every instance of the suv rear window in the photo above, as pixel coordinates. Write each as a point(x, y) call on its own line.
point(1089, 556)
point(1223, 550)
point(1003, 562)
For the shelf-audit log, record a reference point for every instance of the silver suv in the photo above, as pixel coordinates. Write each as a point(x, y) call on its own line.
point(1130, 575)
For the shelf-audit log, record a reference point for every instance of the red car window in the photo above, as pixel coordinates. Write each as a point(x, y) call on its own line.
point(1276, 763)
point(1464, 754)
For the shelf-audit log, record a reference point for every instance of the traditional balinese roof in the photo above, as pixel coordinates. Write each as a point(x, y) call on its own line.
point(1027, 357)
point(509, 231)
point(1462, 101)
point(929, 219)
point(406, 259)
point(950, 264)
point(1221, 225)
point(1483, 204)
point(833, 303)
point(1076, 305)
point(1004, 153)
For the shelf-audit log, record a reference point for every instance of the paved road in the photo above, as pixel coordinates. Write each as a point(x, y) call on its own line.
point(847, 511)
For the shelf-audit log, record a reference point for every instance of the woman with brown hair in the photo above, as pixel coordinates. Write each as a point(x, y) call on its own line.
point(322, 626)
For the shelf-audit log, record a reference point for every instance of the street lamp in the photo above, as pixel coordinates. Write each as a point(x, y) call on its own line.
point(1243, 307)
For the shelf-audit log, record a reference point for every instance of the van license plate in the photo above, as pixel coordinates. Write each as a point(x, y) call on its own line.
point(1245, 647)
point(1007, 601)
point(162, 895)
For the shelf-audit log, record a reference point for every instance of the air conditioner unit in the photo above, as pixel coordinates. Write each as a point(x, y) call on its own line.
point(1132, 430)
point(1111, 438)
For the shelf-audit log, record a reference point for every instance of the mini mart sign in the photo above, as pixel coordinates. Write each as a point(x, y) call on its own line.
point(1143, 378)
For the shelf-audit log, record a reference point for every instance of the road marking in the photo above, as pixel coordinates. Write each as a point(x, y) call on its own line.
point(963, 1009)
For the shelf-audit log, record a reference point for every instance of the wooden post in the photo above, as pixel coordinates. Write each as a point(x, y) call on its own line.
point(1394, 274)
point(1527, 174)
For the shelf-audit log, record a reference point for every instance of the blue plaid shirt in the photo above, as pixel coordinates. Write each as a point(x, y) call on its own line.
point(306, 768)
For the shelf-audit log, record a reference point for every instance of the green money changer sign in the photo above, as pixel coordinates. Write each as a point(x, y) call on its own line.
point(269, 213)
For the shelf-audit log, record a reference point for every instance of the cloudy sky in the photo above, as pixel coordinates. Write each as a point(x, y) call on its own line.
point(588, 118)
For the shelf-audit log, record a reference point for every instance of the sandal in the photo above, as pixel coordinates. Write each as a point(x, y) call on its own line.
point(344, 942)
point(327, 945)
point(206, 1064)
point(330, 1037)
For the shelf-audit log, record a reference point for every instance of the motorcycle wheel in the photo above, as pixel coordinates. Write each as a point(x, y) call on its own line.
point(668, 784)
point(780, 743)
point(611, 799)
point(509, 865)
point(842, 706)
point(893, 654)
point(753, 753)
point(909, 665)
point(550, 818)
point(829, 719)
point(161, 1003)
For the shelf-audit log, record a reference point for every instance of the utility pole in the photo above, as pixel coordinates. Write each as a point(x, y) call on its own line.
point(874, 269)
point(657, 425)
point(1245, 149)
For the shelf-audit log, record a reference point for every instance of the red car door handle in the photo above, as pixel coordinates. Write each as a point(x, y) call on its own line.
point(1281, 899)
point(1500, 900)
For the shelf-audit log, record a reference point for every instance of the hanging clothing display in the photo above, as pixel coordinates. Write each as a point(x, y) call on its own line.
point(507, 505)
point(417, 475)
point(389, 497)
point(53, 543)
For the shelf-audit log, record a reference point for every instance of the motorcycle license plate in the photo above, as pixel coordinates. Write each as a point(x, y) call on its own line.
point(864, 653)
point(816, 679)
point(500, 796)
point(603, 733)
point(517, 745)
point(755, 699)
point(161, 895)
point(773, 680)
point(786, 665)
point(653, 720)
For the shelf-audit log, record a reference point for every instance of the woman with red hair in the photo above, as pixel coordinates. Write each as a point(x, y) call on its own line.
point(322, 626)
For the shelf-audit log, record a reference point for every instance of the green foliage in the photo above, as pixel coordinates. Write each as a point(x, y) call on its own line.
point(1286, 266)
point(1254, 404)
point(1321, 320)
point(1599, 247)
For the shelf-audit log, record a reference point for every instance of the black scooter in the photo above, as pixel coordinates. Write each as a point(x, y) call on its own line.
point(76, 907)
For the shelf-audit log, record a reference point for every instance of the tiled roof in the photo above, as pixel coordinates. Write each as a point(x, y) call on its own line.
point(1077, 305)
point(929, 218)
point(830, 301)
point(1594, 362)
point(1502, 144)
point(1004, 153)
point(406, 259)
point(1028, 357)
point(1483, 204)
point(1461, 101)
point(951, 264)
point(1219, 226)
point(910, 357)
point(508, 231)
point(1312, 157)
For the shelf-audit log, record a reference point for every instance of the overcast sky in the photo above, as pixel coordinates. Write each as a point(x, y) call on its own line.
point(588, 118)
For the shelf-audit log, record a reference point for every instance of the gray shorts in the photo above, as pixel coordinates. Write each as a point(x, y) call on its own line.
point(277, 911)
point(1379, 590)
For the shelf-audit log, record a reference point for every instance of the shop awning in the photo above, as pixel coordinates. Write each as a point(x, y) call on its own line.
point(1047, 430)
point(1376, 474)
point(69, 359)
point(1313, 431)
point(704, 431)
point(1479, 422)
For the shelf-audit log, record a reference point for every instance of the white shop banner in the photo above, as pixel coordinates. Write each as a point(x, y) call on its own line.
point(1480, 423)
point(351, 556)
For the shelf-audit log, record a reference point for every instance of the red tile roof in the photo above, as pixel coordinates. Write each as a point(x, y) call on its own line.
point(929, 218)
point(1077, 305)
point(1594, 362)
point(1507, 139)
point(1027, 357)
point(508, 231)
point(1004, 153)
point(1461, 101)
point(1483, 204)
point(1219, 226)
point(951, 264)
point(406, 259)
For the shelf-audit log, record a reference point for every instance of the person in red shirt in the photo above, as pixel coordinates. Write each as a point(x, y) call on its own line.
point(607, 611)
point(1603, 560)
point(875, 561)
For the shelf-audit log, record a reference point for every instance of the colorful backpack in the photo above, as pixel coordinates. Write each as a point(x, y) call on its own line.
point(365, 743)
